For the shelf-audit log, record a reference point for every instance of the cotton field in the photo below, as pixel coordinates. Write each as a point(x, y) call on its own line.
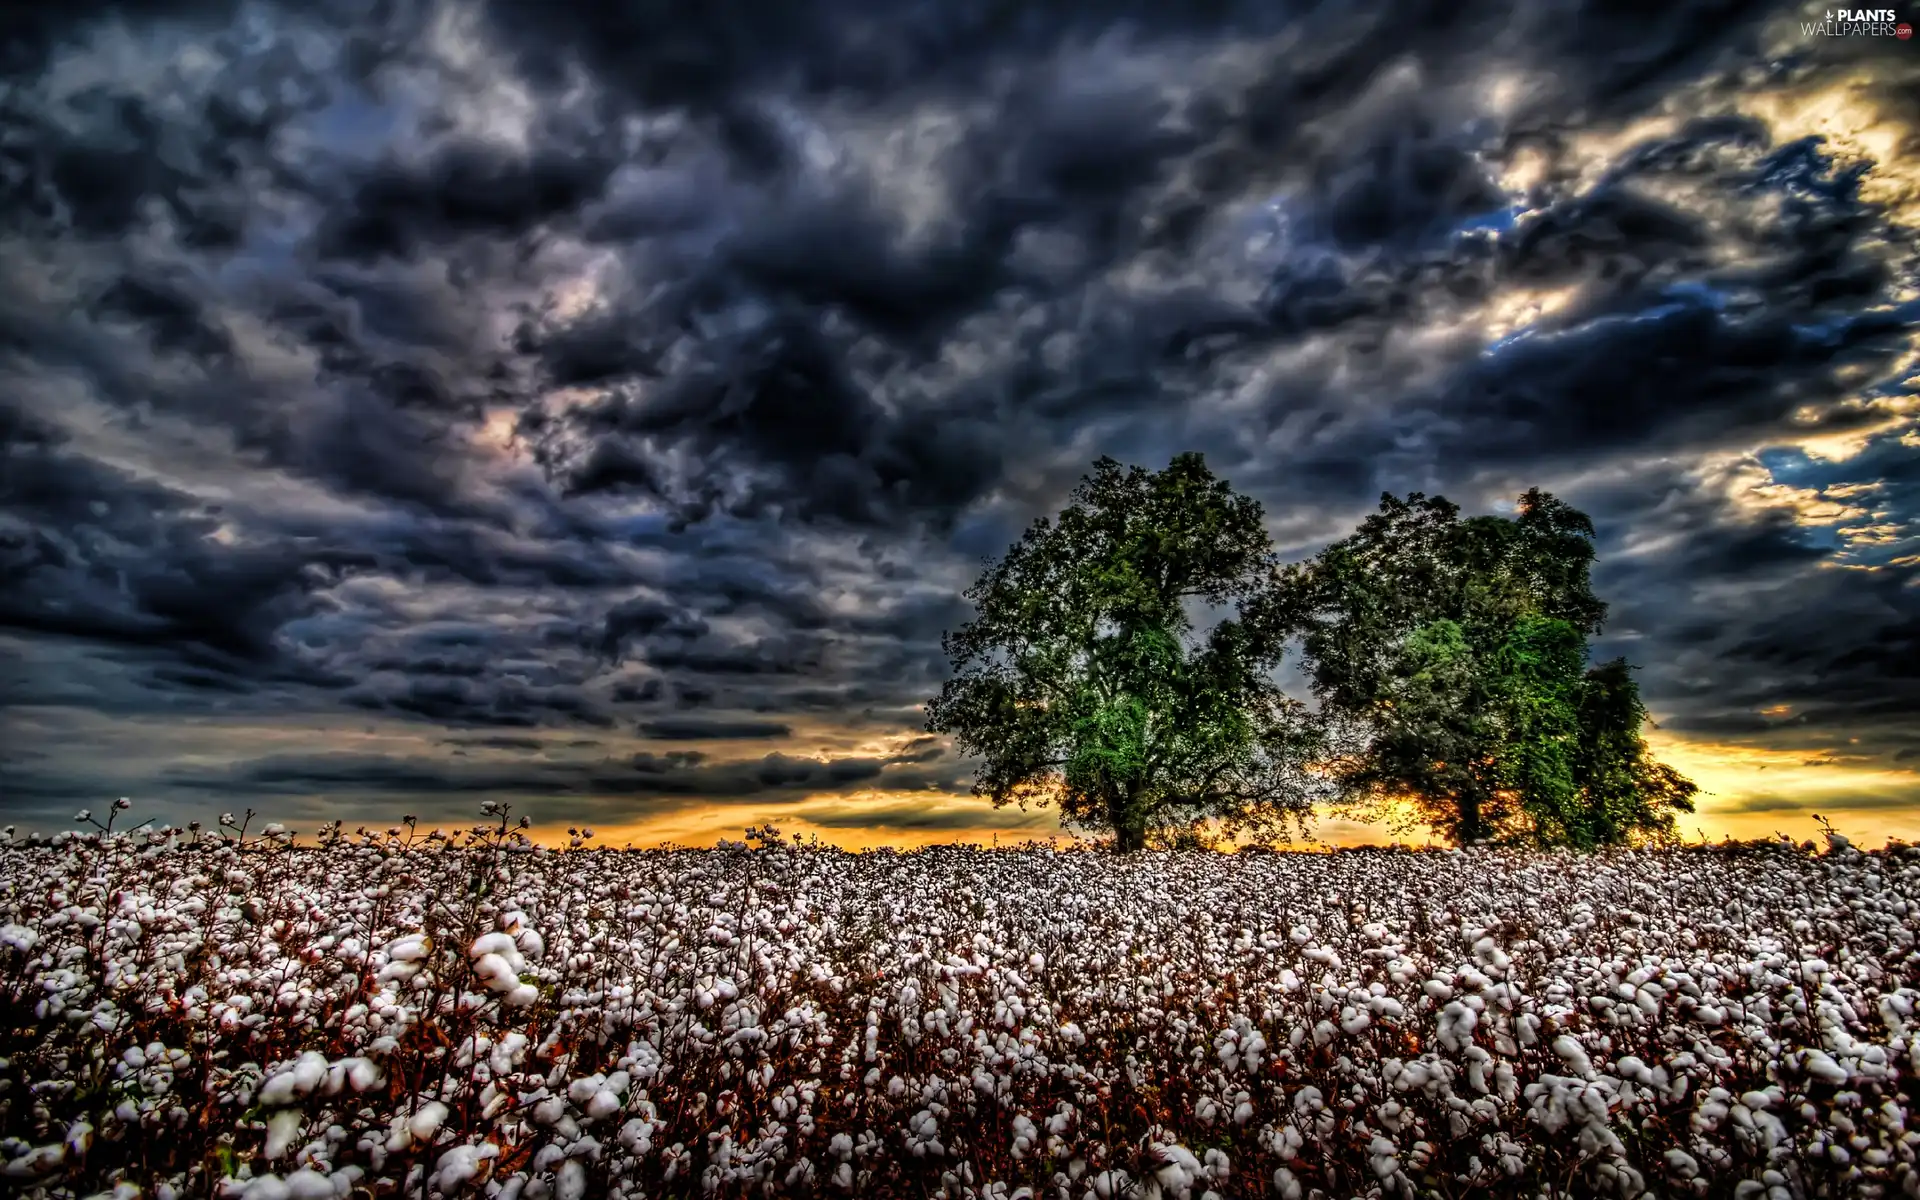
point(463, 1014)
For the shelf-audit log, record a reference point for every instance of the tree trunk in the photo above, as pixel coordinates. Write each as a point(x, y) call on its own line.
point(1470, 828)
point(1128, 819)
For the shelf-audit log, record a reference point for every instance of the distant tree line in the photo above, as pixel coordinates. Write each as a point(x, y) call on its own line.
point(1122, 667)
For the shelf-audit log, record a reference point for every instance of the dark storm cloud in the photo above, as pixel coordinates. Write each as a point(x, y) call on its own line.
point(781, 314)
point(655, 372)
point(674, 776)
point(88, 551)
point(1750, 629)
point(505, 701)
point(467, 189)
point(680, 729)
point(1604, 53)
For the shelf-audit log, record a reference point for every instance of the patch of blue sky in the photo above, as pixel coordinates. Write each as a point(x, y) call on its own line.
point(984, 535)
point(1835, 330)
point(353, 121)
point(1793, 466)
point(1806, 169)
point(639, 527)
point(1498, 220)
point(350, 127)
point(1673, 301)
point(1843, 481)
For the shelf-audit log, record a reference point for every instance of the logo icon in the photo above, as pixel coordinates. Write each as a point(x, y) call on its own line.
point(1903, 31)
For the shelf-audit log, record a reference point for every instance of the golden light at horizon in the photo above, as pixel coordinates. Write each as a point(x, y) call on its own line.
point(1746, 792)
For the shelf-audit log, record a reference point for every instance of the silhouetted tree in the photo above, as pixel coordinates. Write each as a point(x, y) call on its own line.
point(1083, 682)
point(1452, 657)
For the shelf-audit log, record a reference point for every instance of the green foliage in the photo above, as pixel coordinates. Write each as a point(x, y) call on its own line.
point(1450, 659)
point(1082, 682)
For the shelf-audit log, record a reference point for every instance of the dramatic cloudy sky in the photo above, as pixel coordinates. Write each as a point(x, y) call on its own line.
point(600, 404)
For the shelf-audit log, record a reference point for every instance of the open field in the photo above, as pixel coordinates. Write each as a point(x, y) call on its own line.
point(467, 1016)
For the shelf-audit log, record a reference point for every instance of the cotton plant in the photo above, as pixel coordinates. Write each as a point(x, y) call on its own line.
point(441, 1013)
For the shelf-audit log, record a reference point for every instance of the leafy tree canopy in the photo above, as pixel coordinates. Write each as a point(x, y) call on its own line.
point(1083, 682)
point(1452, 656)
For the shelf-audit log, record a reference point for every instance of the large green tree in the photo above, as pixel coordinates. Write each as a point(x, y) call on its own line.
point(1451, 657)
point(1084, 682)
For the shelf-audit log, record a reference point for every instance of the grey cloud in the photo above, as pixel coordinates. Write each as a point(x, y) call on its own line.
point(683, 729)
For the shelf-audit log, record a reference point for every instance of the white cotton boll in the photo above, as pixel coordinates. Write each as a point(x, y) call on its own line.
point(531, 944)
point(427, 1121)
point(1821, 1066)
point(282, 1128)
point(581, 1090)
point(1287, 1184)
point(295, 1080)
point(363, 1074)
point(507, 1052)
point(461, 1165)
point(1383, 1157)
point(309, 1071)
point(637, 1136)
point(521, 997)
point(38, 1161)
point(493, 943)
point(1284, 1143)
point(1025, 1136)
point(1178, 1172)
point(1682, 1164)
point(266, 1187)
point(1456, 1026)
point(1217, 1165)
point(570, 1181)
point(399, 972)
point(602, 1105)
point(1574, 1055)
point(277, 1090)
point(496, 973)
point(307, 1184)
